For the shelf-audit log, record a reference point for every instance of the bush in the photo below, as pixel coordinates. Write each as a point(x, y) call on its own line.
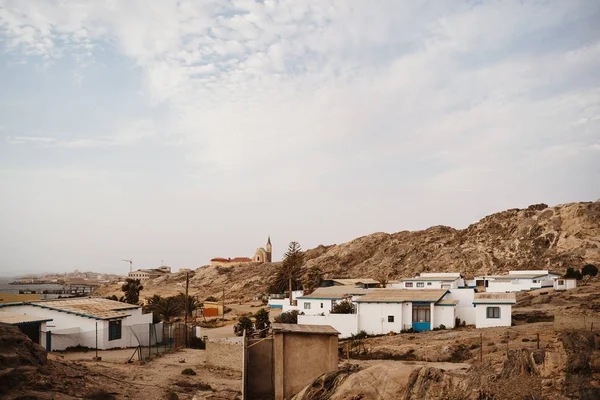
point(212, 298)
point(290, 317)
point(197, 343)
point(573, 274)
point(343, 307)
point(172, 395)
point(442, 327)
point(244, 324)
point(100, 394)
point(409, 330)
point(188, 371)
point(590, 270)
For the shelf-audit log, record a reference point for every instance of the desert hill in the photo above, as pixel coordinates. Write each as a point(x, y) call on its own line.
point(538, 237)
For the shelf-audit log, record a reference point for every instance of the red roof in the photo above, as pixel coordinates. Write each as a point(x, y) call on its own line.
point(232, 260)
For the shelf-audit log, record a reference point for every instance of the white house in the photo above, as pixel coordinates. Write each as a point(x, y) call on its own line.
point(381, 311)
point(565, 284)
point(31, 326)
point(322, 300)
point(438, 280)
point(517, 281)
point(493, 309)
point(85, 321)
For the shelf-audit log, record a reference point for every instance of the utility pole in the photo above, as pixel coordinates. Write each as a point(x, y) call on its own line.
point(187, 304)
point(290, 286)
point(223, 313)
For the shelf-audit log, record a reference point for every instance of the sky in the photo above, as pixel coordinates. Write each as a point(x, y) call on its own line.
point(177, 131)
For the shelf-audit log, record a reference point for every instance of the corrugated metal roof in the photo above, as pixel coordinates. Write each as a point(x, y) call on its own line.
point(9, 318)
point(92, 307)
point(335, 292)
point(402, 295)
point(350, 282)
point(306, 329)
point(516, 276)
point(495, 298)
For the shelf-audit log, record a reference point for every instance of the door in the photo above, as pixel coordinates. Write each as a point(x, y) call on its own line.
point(32, 330)
point(421, 318)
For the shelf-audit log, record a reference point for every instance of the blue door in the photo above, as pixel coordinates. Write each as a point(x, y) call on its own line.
point(421, 326)
point(421, 317)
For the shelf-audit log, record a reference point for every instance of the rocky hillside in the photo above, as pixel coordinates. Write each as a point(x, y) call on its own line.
point(538, 237)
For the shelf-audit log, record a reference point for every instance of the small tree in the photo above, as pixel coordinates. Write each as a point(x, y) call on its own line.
point(573, 274)
point(244, 324)
point(383, 280)
point(212, 298)
point(262, 321)
point(132, 289)
point(343, 307)
point(590, 270)
point(192, 303)
point(289, 317)
point(289, 269)
point(313, 278)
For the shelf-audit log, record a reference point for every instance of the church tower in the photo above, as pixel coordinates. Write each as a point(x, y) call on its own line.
point(269, 249)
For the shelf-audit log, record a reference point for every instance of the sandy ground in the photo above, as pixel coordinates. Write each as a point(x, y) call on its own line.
point(155, 379)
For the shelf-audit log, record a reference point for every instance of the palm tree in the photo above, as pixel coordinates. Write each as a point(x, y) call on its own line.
point(167, 308)
point(132, 289)
point(192, 303)
point(313, 278)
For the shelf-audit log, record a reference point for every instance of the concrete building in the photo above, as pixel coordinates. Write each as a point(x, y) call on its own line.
point(565, 284)
point(438, 280)
point(261, 255)
point(517, 281)
point(146, 274)
point(493, 309)
point(30, 325)
point(78, 321)
point(322, 300)
point(294, 356)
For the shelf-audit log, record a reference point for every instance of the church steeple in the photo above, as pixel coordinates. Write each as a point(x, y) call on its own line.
point(269, 249)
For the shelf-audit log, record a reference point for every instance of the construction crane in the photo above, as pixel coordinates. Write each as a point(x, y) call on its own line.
point(130, 264)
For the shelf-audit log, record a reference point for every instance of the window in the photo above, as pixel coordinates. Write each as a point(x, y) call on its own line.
point(390, 318)
point(420, 284)
point(561, 282)
point(493, 312)
point(421, 314)
point(408, 284)
point(307, 306)
point(114, 330)
point(321, 305)
point(428, 283)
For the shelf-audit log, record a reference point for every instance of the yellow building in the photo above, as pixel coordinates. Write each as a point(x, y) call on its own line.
point(17, 298)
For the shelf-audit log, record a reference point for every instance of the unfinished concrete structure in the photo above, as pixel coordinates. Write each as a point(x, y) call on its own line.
point(281, 365)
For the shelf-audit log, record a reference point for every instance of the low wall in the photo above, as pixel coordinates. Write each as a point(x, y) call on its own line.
point(225, 355)
point(345, 324)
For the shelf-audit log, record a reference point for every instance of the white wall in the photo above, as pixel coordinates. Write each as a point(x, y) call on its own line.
point(428, 284)
point(346, 324)
point(481, 320)
point(71, 330)
point(373, 317)
point(464, 309)
point(317, 306)
point(443, 315)
point(567, 284)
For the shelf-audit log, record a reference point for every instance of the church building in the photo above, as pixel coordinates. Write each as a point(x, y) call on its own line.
point(261, 255)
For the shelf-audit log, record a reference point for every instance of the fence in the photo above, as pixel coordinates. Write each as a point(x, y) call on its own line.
point(582, 319)
point(148, 340)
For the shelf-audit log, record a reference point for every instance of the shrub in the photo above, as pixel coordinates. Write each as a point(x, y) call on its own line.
point(573, 274)
point(590, 270)
point(290, 317)
point(525, 340)
point(442, 327)
point(188, 371)
point(212, 298)
point(172, 395)
point(100, 394)
point(343, 307)
point(409, 330)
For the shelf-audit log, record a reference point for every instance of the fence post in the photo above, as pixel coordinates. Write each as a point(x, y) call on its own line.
point(481, 348)
point(149, 340)
point(538, 341)
point(96, 340)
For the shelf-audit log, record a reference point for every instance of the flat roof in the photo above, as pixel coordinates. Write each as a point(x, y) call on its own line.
point(446, 302)
point(306, 329)
point(402, 295)
point(90, 307)
point(495, 298)
point(335, 292)
point(9, 318)
point(433, 278)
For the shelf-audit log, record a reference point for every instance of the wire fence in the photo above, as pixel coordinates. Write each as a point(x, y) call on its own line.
point(144, 341)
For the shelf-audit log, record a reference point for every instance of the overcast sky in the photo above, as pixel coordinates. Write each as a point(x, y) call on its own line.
point(186, 130)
